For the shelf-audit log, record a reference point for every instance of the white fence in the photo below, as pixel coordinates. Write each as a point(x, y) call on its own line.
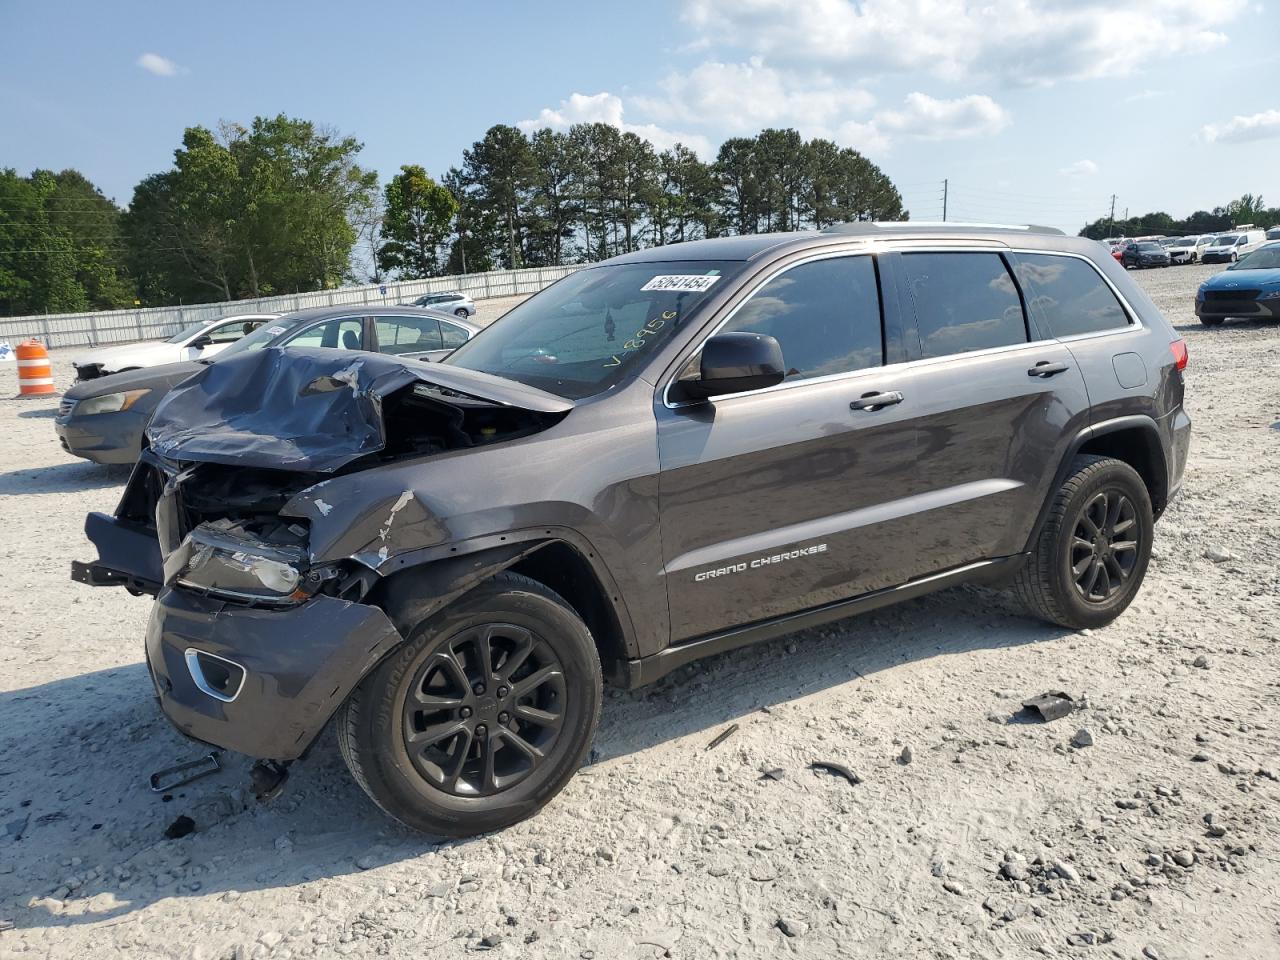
point(122, 326)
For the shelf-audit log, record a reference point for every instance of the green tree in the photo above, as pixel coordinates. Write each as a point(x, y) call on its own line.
point(502, 171)
point(248, 212)
point(60, 246)
point(417, 220)
point(555, 204)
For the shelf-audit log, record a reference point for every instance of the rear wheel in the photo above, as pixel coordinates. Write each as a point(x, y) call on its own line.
point(1212, 321)
point(481, 716)
point(1092, 555)
point(462, 312)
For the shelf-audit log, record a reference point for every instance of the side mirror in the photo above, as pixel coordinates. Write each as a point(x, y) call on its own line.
point(200, 342)
point(734, 362)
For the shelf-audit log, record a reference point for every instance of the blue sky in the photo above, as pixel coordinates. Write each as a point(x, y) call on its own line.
point(1035, 111)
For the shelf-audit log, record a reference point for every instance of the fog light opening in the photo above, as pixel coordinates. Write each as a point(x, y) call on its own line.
point(215, 676)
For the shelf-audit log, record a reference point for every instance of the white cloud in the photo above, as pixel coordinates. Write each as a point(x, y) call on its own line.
point(1020, 41)
point(1081, 168)
point(160, 66)
point(925, 118)
point(746, 97)
point(607, 108)
point(1257, 126)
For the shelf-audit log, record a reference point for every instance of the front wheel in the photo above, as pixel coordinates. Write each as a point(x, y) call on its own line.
point(462, 312)
point(481, 716)
point(1212, 321)
point(1089, 561)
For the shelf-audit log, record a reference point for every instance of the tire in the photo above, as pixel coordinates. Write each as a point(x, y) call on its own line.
point(1212, 321)
point(1048, 583)
point(462, 312)
point(507, 614)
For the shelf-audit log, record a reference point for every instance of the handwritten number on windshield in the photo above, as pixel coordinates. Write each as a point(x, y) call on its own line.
point(637, 339)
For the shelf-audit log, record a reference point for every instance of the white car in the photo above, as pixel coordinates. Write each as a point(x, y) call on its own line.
point(1230, 247)
point(198, 341)
point(459, 304)
point(1187, 249)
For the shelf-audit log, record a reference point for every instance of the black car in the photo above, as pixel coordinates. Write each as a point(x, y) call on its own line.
point(663, 456)
point(103, 419)
point(1146, 253)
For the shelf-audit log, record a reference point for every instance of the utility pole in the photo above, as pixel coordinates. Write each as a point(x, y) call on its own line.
point(1111, 220)
point(944, 201)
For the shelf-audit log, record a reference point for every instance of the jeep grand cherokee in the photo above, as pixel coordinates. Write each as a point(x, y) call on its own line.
point(666, 455)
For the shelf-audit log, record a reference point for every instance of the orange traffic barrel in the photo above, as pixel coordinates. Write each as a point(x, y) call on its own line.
point(35, 372)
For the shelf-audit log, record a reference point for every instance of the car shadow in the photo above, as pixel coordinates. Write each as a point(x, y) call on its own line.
point(63, 478)
point(43, 413)
point(77, 817)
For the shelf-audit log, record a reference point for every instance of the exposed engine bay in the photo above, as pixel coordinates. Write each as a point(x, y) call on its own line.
point(234, 444)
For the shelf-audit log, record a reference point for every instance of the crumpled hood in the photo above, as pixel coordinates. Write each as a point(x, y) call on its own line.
point(310, 410)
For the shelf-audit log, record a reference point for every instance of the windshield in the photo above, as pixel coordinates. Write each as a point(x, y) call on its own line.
point(1264, 258)
point(188, 332)
point(583, 335)
point(261, 337)
point(1225, 241)
point(1148, 247)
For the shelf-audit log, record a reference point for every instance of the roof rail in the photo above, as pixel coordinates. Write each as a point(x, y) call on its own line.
point(876, 226)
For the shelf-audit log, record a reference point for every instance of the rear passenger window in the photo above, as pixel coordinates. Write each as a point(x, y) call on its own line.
point(824, 314)
point(1067, 296)
point(963, 302)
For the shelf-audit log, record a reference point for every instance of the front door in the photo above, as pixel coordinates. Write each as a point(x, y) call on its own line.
point(787, 498)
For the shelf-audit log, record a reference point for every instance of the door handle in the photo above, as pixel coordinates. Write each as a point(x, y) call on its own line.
point(1045, 369)
point(876, 399)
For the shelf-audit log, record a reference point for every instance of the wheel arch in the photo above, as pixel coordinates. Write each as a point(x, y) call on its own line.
point(1134, 440)
point(558, 559)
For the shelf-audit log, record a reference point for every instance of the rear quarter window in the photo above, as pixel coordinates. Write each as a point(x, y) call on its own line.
point(1067, 296)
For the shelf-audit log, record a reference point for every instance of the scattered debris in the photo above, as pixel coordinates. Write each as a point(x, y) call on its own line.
point(1053, 705)
point(1202, 662)
point(792, 928)
point(836, 769)
point(773, 773)
point(905, 757)
point(1218, 554)
point(952, 886)
point(1083, 738)
point(267, 778)
point(723, 736)
point(180, 828)
point(181, 774)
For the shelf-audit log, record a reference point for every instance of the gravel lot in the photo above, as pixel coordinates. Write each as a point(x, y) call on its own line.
point(997, 839)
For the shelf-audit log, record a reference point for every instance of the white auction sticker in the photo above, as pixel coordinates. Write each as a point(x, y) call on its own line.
point(681, 282)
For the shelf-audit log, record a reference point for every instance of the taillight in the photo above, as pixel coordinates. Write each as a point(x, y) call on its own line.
point(1179, 348)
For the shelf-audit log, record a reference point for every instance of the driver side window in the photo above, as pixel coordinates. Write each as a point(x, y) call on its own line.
point(825, 315)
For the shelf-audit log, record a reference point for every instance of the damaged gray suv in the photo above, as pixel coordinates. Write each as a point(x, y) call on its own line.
point(667, 455)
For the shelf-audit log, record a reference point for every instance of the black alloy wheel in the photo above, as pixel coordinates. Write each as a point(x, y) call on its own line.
point(484, 710)
point(1104, 545)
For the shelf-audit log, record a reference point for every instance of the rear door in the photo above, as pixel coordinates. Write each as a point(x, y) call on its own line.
point(785, 498)
point(998, 401)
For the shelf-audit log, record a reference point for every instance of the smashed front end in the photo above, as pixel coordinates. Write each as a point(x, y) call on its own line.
point(256, 637)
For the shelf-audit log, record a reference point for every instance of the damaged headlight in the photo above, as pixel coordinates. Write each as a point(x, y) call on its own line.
point(110, 402)
point(218, 559)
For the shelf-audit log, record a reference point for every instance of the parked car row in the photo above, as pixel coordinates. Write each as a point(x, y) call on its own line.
point(1141, 252)
point(660, 457)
